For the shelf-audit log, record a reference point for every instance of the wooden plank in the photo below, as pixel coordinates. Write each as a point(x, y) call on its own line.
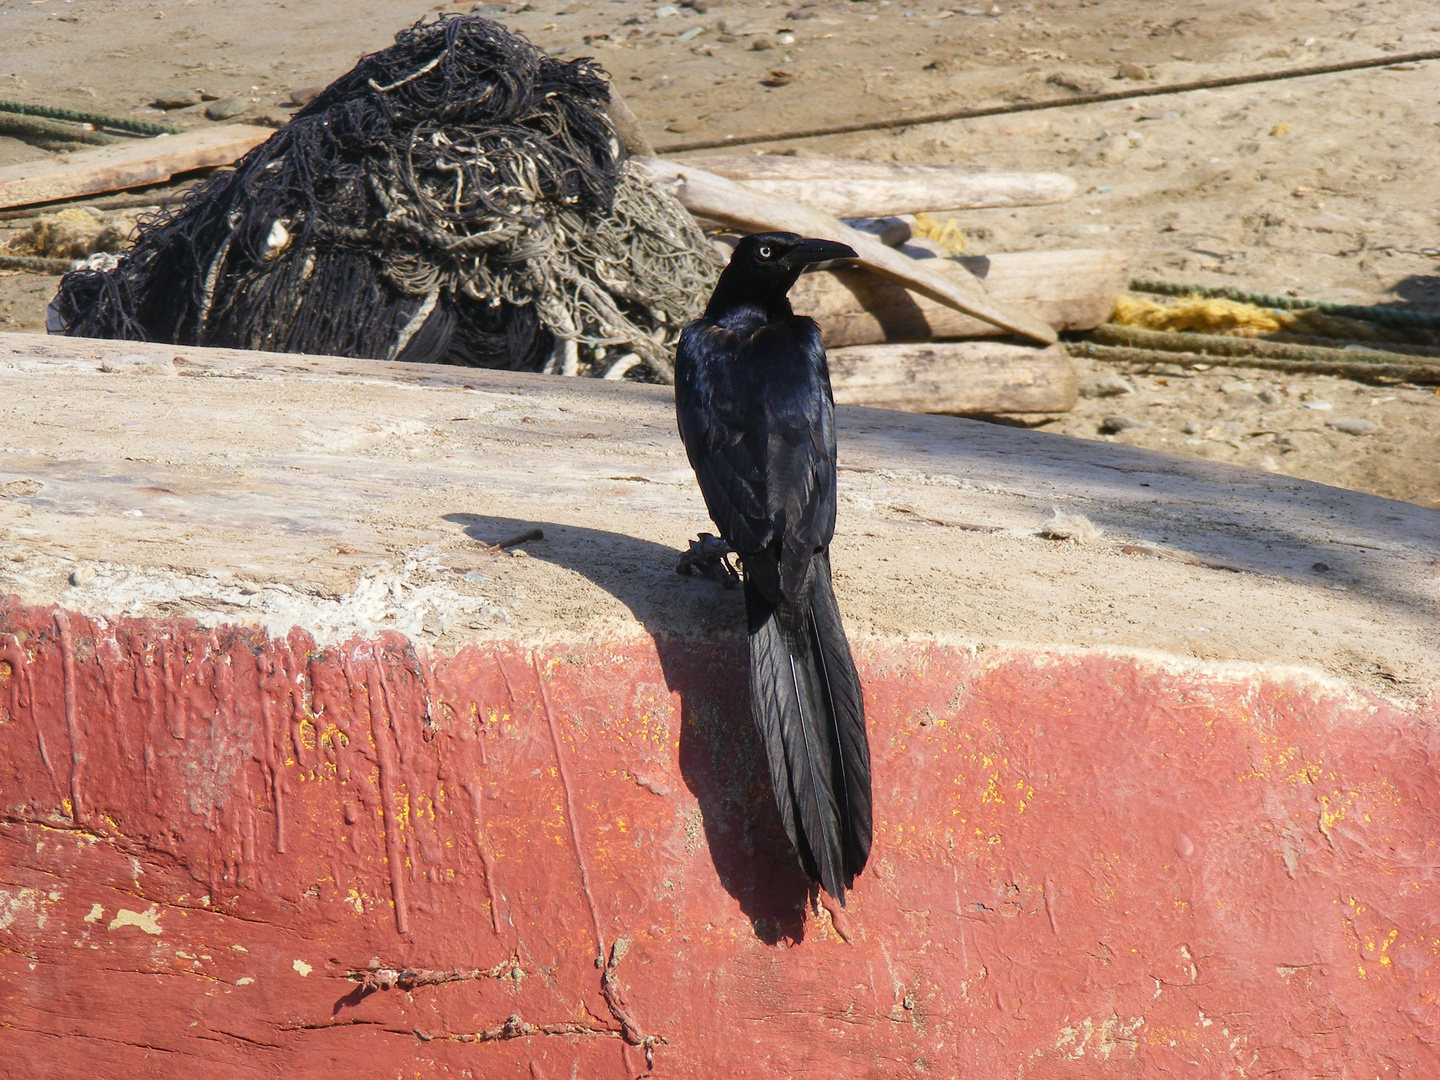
point(849, 188)
point(126, 165)
point(707, 195)
point(1070, 290)
point(957, 377)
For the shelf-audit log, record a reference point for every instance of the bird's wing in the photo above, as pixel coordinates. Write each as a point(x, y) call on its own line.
point(799, 462)
point(717, 406)
point(758, 422)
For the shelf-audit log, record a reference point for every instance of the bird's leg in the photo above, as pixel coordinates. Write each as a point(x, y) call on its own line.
point(709, 556)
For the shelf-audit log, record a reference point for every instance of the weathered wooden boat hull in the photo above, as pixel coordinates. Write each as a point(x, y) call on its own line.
point(1084, 865)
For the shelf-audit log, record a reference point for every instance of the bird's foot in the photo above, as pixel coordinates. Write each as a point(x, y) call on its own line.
point(709, 556)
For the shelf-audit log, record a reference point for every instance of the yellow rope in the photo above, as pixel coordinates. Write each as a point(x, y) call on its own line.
point(943, 231)
point(1215, 315)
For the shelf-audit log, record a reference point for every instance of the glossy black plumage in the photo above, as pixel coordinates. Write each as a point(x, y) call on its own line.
point(757, 418)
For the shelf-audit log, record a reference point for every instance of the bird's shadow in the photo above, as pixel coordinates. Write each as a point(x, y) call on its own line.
point(1418, 289)
point(722, 759)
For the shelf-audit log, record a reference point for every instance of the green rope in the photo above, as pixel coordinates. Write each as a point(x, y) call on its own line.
point(1406, 370)
point(49, 132)
point(117, 123)
point(1225, 345)
point(1382, 316)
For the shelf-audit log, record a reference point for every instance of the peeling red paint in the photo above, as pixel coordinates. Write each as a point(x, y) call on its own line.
point(228, 855)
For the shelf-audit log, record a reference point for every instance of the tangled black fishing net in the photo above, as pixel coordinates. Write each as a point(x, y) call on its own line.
point(458, 197)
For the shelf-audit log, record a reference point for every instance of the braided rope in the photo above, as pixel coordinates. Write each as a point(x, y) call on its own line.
point(100, 120)
point(1384, 316)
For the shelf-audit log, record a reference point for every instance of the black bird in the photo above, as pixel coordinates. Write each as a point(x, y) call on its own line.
point(753, 400)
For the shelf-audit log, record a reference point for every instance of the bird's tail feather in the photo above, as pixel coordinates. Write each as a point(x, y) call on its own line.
point(847, 710)
point(805, 699)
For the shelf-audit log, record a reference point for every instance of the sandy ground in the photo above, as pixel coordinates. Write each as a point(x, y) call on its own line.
point(1319, 187)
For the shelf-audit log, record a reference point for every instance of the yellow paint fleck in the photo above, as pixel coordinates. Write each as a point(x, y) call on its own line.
point(246, 981)
point(302, 968)
point(148, 920)
point(1385, 946)
point(402, 812)
point(96, 911)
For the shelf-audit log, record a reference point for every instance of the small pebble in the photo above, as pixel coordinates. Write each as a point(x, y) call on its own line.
point(304, 95)
point(1106, 385)
point(760, 44)
point(83, 574)
point(1114, 423)
point(1110, 149)
point(666, 11)
point(1320, 568)
point(177, 99)
point(1076, 81)
point(226, 108)
point(1132, 71)
point(1353, 427)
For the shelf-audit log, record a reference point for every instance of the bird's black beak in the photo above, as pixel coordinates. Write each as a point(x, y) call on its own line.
point(808, 252)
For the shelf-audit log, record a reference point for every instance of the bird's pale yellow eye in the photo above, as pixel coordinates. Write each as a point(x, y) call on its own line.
point(764, 253)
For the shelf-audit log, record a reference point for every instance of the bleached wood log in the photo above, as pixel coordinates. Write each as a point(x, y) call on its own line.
point(627, 127)
point(126, 165)
point(707, 195)
point(848, 188)
point(1070, 290)
point(958, 377)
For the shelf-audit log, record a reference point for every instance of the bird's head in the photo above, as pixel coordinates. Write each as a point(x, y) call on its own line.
point(764, 266)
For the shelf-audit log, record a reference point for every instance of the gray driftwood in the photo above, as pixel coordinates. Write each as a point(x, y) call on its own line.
point(1070, 290)
point(848, 188)
point(134, 163)
point(707, 195)
point(958, 377)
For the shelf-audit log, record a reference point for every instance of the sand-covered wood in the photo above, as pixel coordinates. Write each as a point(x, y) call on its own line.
point(846, 187)
point(126, 165)
point(1070, 290)
point(956, 377)
point(299, 476)
point(716, 198)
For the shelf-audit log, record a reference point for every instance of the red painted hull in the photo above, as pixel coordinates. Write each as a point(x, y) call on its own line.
point(1084, 866)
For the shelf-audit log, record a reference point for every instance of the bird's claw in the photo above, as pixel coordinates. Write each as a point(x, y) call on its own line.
point(709, 556)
